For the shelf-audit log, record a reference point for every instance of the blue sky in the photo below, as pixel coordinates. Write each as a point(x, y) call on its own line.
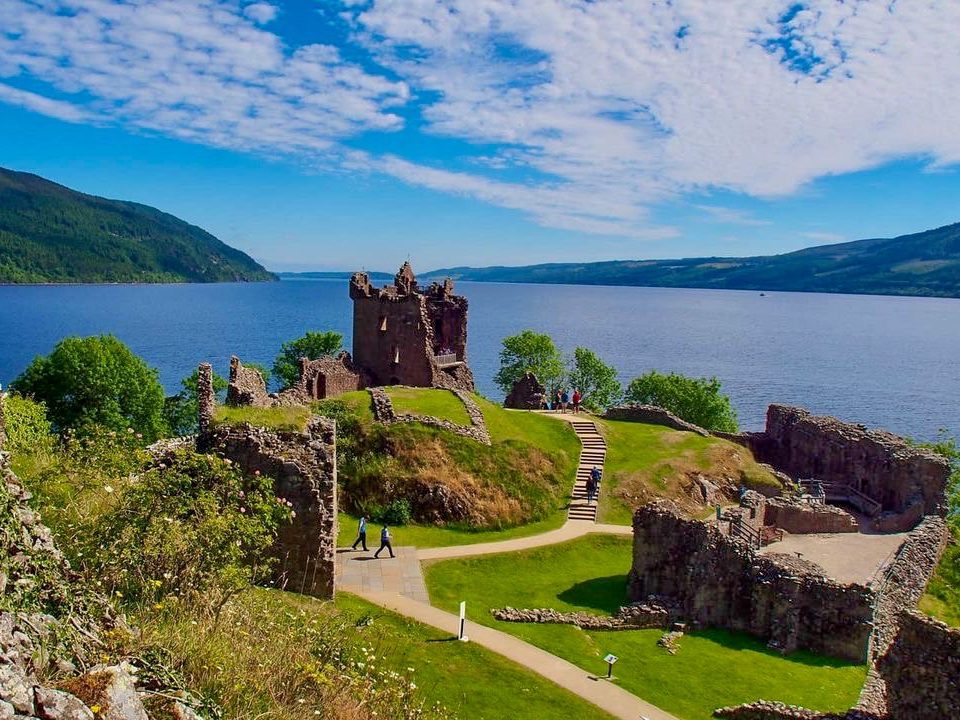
point(355, 133)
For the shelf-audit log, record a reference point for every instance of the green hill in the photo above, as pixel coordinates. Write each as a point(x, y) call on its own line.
point(925, 263)
point(52, 234)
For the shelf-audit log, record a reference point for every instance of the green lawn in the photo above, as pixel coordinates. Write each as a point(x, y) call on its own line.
point(645, 460)
point(942, 599)
point(470, 681)
point(441, 404)
point(359, 401)
point(712, 669)
point(293, 419)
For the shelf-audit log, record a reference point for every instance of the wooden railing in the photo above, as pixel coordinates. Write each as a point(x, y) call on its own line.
point(837, 491)
point(740, 529)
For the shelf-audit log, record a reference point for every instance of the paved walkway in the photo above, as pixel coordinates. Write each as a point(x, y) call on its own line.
point(359, 571)
point(570, 530)
point(605, 695)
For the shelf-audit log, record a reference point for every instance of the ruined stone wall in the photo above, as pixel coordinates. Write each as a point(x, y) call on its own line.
point(328, 377)
point(908, 481)
point(766, 710)
point(247, 386)
point(719, 581)
point(798, 517)
point(206, 398)
point(527, 393)
point(384, 412)
point(652, 415)
point(303, 467)
point(922, 669)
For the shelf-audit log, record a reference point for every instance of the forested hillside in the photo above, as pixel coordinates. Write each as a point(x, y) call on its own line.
point(51, 234)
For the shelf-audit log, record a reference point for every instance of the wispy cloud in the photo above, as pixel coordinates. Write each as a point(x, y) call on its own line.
point(729, 216)
point(606, 108)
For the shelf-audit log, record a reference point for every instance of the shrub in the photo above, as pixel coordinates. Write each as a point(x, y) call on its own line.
point(313, 345)
point(28, 429)
point(597, 381)
point(96, 381)
point(696, 400)
point(529, 352)
point(192, 526)
point(396, 512)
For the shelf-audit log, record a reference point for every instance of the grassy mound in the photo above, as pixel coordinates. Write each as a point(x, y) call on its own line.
point(441, 404)
point(712, 668)
point(285, 419)
point(412, 472)
point(649, 461)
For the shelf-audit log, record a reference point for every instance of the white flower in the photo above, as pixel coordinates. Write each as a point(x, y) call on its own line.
point(108, 488)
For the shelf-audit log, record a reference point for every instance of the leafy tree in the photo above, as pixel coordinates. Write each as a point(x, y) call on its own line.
point(93, 381)
point(313, 345)
point(696, 400)
point(597, 381)
point(180, 411)
point(529, 352)
point(28, 430)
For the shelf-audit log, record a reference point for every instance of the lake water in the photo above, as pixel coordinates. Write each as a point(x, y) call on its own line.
point(883, 361)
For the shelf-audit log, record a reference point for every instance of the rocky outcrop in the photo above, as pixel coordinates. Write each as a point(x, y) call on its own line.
point(652, 415)
point(720, 581)
point(527, 393)
point(303, 466)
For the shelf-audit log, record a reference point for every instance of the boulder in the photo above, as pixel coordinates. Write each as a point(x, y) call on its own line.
point(57, 705)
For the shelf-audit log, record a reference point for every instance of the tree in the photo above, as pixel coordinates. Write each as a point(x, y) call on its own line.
point(93, 381)
point(597, 381)
point(313, 345)
point(181, 411)
point(529, 352)
point(696, 400)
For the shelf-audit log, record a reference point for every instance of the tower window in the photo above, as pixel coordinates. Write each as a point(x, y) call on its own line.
point(383, 323)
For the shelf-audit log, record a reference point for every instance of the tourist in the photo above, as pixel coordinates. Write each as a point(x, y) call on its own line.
point(595, 476)
point(591, 489)
point(577, 399)
point(556, 400)
point(564, 400)
point(384, 542)
point(361, 534)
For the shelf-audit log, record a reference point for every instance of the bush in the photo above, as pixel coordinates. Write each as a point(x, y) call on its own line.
point(597, 381)
point(28, 429)
point(181, 411)
point(529, 352)
point(192, 527)
point(313, 345)
point(396, 512)
point(96, 381)
point(950, 449)
point(696, 400)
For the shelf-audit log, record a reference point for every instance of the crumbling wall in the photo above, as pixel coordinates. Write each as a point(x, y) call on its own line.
point(303, 467)
point(921, 669)
point(247, 386)
point(720, 581)
point(328, 377)
point(652, 415)
point(906, 480)
point(527, 393)
point(206, 398)
point(798, 517)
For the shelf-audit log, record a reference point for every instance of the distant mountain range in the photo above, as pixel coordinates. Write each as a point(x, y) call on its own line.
point(52, 234)
point(925, 263)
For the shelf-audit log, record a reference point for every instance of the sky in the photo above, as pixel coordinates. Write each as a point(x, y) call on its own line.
point(340, 134)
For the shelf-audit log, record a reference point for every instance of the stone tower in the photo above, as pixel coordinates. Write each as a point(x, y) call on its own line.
point(405, 336)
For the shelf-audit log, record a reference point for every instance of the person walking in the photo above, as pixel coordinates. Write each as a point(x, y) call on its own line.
point(556, 401)
point(564, 400)
point(595, 476)
point(591, 489)
point(385, 539)
point(577, 398)
point(361, 534)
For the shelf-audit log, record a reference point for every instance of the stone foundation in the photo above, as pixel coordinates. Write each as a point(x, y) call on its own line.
point(303, 467)
point(652, 415)
point(719, 581)
point(799, 517)
point(630, 617)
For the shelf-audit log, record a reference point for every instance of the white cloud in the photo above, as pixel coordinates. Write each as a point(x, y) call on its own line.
point(599, 109)
point(729, 216)
point(261, 12)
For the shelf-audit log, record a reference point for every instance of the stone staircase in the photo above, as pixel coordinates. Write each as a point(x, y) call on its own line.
point(592, 453)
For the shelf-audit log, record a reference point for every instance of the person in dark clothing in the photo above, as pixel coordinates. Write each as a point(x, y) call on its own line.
point(385, 539)
point(591, 489)
point(361, 534)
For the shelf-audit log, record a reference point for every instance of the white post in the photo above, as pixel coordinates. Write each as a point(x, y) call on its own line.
point(463, 622)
